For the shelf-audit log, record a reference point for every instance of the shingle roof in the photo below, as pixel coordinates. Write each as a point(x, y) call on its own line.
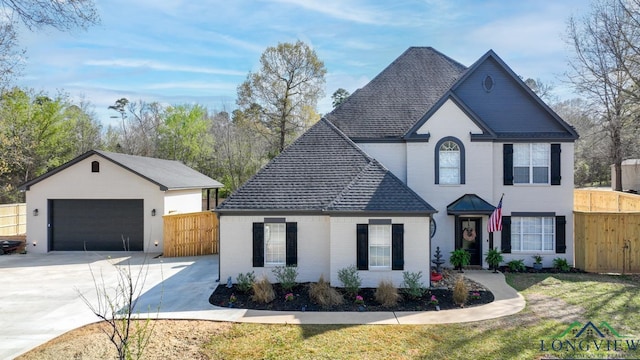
point(397, 98)
point(167, 174)
point(324, 171)
point(404, 95)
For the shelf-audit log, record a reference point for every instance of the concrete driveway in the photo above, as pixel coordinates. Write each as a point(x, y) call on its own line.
point(40, 294)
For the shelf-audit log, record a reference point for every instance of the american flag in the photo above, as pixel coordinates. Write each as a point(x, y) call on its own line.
point(495, 220)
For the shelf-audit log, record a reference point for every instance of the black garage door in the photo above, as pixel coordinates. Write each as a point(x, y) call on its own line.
point(96, 225)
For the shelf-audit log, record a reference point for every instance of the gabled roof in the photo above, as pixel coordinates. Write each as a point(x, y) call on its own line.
point(400, 99)
point(397, 98)
point(324, 172)
point(167, 174)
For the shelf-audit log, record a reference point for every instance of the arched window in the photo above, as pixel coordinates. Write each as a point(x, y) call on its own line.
point(95, 166)
point(449, 162)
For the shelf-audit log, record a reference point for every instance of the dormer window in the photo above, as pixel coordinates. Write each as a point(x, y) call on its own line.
point(488, 83)
point(95, 166)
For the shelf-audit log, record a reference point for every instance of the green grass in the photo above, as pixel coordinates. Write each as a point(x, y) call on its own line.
point(598, 298)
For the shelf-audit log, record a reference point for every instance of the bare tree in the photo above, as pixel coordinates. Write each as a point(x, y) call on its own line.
point(600, 72)
point(290, 79)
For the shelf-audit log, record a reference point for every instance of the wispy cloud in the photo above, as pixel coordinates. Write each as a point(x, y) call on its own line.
point(158, 66)
point(343, 10)
point(195, 85)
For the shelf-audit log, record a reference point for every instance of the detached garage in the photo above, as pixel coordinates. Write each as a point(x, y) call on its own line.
point(103, 201)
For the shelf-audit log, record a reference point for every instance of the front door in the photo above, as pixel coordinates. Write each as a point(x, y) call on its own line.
point(469, 237)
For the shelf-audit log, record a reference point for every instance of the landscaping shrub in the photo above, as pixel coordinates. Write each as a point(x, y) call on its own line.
point(263, 291)
point(286, 276)
point(561, 264)
point(350, 279)
point(516, 265)
point(412, 284)
point(387, 294)
point(323, 294)
point(460, 292)
point(245, 281)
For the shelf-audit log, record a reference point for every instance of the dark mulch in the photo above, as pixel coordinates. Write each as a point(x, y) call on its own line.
point(221, 295)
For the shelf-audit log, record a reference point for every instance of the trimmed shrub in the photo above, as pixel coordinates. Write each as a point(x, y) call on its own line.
point(516, 265)
point(561, 264)
point(286, 276)
point(387, 294)
point(412, 283)
point(245, 281)
point(350, 279)
point(323, 294)
point(263, 291)
point(460, 292)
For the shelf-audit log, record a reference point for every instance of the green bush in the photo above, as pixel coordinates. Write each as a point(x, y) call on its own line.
point(245, 281)
point(516, 265)
point(561, 264)
point(287, 276)
point(350, 279)
point(460, 258)
point(412, 284)
point(494, 258)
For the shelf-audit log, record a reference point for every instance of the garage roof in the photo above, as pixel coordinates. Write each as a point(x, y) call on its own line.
point(167, 174)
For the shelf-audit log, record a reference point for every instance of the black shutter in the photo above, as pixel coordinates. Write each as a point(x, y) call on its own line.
point(362, 244)
point(561, 234)
point(258, 244)
point(507, 162)
point(506, 235)
point(397, 247)
point(555, 164)
point(292, 244)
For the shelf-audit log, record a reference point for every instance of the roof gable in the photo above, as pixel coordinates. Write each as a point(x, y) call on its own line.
point(324, 171)
point(509, 108)
point(397, 97)
point(167, 174)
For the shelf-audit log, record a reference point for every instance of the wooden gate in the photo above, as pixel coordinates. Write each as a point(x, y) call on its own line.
point(607, 231)
point(191, 234)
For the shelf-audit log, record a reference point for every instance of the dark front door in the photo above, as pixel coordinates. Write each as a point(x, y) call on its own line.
point(469, 237)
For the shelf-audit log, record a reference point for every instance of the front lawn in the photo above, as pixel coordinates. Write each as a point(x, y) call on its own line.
point(555, 304)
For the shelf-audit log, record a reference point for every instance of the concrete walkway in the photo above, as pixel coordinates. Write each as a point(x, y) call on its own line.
point(507, 302)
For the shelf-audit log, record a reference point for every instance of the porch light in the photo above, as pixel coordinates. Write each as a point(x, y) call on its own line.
point(34, 243)
point(155, 243)
point(153, 212)
point(35, 212)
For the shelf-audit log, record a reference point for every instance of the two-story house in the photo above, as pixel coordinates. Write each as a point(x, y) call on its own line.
point(416, 159)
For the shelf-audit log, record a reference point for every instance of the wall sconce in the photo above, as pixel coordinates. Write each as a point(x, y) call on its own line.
point(34, 243)
point(155, 243)
point(153, 212)
point(35, 212)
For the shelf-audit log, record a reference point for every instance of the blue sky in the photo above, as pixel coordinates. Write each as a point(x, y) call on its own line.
point(175, 51)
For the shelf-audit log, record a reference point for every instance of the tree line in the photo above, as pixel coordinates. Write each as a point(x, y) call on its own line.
point(39, 131)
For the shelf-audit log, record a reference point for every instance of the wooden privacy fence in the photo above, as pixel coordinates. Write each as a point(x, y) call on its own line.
point(13, 219)
point(191, 234)
point(607, 231)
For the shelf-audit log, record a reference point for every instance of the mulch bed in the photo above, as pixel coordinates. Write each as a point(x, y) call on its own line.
point(302, 302)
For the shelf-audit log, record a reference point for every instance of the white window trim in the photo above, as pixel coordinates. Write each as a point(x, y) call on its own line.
point(531, 167)
point(388, 243)
point(266, 241)
point(521, 235)
point(442, 180)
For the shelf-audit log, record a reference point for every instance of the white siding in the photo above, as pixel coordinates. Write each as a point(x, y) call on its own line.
point(236, 247)
point(182, 201)
point(416, 249)
point(392, 155)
